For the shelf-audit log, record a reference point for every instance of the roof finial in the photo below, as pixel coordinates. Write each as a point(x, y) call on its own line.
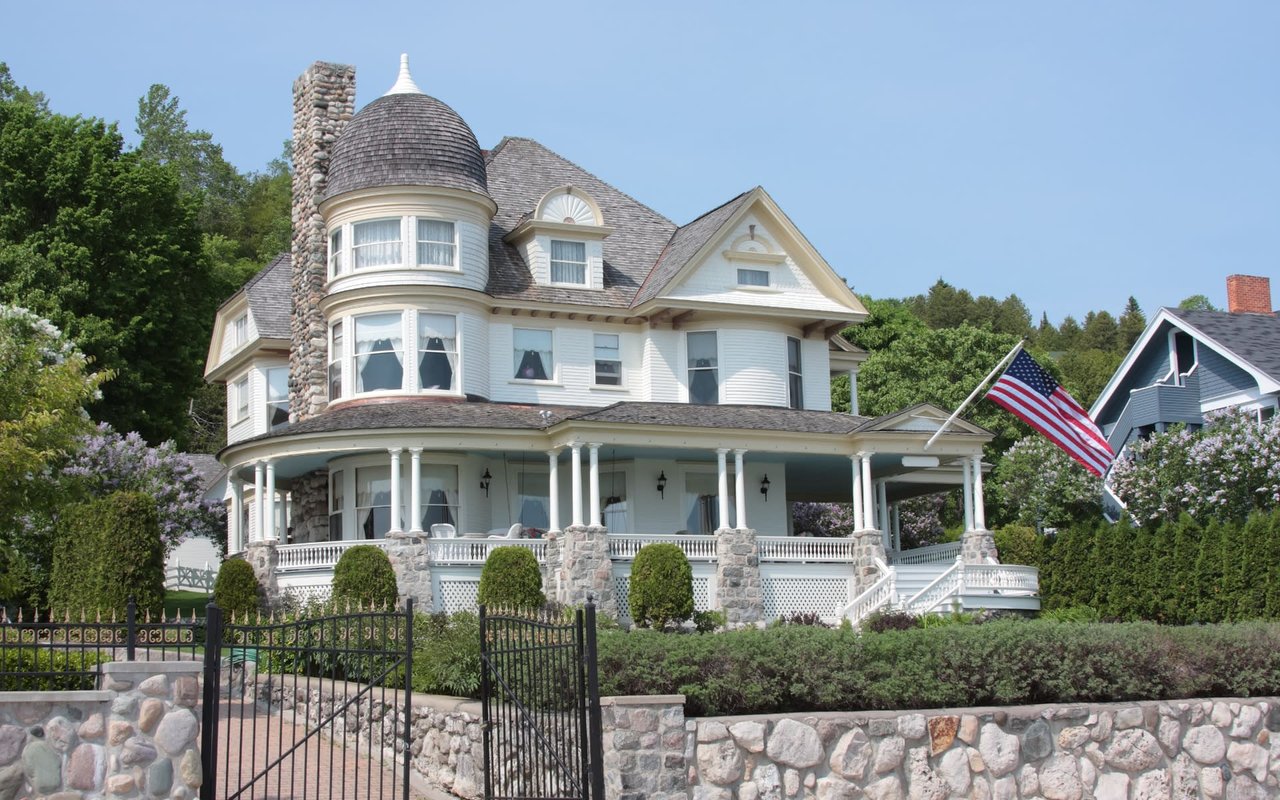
point(404, 81)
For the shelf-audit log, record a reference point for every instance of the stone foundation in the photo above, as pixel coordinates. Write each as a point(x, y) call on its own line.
point(265, 559)
point(868, 547)
point(136, 737)
point(738, 577)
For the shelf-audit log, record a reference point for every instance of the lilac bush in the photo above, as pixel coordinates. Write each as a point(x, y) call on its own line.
point(1039, 485)
point(822, 519)
point(1225, 470)
point(108, 462)
point(921, 521)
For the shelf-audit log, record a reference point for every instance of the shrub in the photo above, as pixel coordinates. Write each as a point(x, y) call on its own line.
point(235, 590)
point(363, 576)
point(661, 589)
point(1018, 544)
point(107, 550)
point(59, 669)
point(511, 579)
point(882, 621)
point(446, 654)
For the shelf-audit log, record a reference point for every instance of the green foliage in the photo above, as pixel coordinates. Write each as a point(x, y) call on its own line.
point(446, 654)
point(1072, 614)
point(1085, 373)
point(795, 668)
point(511, 579)
point(64, 664)
point(1197, 302)
point(661, 590)
point(1018, 544)
point(888, 320)
point(709, 621)
point(947, 307)
point(236, 590)
point(1038, 485)
point(364, 577)
point(888, 620)
point(105, 551)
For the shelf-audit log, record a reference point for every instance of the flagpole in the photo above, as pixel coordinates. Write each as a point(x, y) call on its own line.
point(1008, 357)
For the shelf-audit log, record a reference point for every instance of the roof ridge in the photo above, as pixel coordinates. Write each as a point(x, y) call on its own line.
point(257, 277)
point(657, 262)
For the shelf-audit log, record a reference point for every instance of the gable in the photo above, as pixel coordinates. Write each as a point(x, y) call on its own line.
point(922, 418)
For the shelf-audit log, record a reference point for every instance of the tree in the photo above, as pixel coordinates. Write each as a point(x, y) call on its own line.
point(888, 320)
point(1086, 373)
point(1039, 485)
point(103, 243)
point(1069, 333)
point(1132, 323)
point(1197, 302)
point(1101, 332)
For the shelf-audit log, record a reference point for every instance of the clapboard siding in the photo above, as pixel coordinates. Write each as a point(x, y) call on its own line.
point(574, 357)
point(663, 350)
point(815, 361)
point(753, 367)
point(1219, 377)
point(475, 354)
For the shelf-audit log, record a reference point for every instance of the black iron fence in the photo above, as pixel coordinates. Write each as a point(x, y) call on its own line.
point(64, 652)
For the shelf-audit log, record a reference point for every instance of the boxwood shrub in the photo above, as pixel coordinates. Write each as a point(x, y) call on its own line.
point(363, 576)
point(511, 579)
point(661, 588)
point(235, 590)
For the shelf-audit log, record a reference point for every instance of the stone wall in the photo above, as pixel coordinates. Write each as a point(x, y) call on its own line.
point(134, 737)
point(324, 99)
point(644, 748)
point(310, 509)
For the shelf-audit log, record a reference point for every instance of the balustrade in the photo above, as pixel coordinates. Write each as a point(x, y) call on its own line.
point(927, 555)
point(316, 555)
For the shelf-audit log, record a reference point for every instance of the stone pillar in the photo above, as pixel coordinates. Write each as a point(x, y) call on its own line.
point(740, 476)
point(235, 520)
point(867, 547)
point(323, 103)
point(410, 557)
point(310, 494)
point(415, 489)
point(265, 559)
point(396, 508)
point(553, 491)
point(738, 577)
point(575, 464)
point(585, 567)
point(977, 545)
point(722, 487)
point(593, 453)
point(269, 504)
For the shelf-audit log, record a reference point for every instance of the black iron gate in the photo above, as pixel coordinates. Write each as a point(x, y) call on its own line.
point(308, 706)
point(541, 698)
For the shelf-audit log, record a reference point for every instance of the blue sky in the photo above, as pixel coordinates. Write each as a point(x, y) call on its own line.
point(1073, 153)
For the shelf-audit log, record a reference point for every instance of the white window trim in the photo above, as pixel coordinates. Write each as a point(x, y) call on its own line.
point(458, 371)
point(240, 331)
point(351, 247)
point(457, 247)
point(344, 251)
point(719, 368)
point(554, 380)
point(267, 403)
point(621, 385)
point(241, 398)
point(349, 465)
point(406, 337)
point(798, 373)
point(586, 265)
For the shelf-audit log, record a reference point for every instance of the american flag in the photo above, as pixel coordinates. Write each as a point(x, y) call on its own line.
point(1032, 395)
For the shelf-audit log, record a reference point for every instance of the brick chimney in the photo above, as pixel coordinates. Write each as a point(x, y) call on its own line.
point(324, 100)
point(1248, 294)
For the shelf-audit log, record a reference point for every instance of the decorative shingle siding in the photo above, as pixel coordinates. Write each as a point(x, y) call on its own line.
point(1219, 377)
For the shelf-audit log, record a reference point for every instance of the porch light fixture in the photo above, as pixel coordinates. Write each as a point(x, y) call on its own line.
point(764, 488)
point(484, 481)
point(662, 483)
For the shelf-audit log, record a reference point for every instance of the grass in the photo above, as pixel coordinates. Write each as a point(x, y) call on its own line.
point(185, 602)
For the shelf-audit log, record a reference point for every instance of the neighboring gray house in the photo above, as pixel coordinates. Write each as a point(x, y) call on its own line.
point(1188, 363)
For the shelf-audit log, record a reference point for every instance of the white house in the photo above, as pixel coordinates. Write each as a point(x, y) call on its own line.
point(499, 341)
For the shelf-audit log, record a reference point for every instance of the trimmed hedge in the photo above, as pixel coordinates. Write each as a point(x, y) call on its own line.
point(511, 579)
point(105, 551)
point(236, 590)
point(1009, 662)
point(364, 576)
point(65, 664)
point(661, 590)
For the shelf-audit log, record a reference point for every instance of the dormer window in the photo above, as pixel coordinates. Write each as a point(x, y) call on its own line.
point(239, 330)
point(436, 247)
point(569, 262)
point(376, 243)
point(753, 277)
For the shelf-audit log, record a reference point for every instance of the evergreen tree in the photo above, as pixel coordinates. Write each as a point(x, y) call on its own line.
point(1046, 336)
point(1272, 607)
point(1069, 333)
point(1183, 599)
point(1208, 574)
point(1101, 332)
point(1254, 535)
point(1132, 323)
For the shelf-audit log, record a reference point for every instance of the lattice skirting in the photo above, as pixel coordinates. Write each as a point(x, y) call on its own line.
point(622, 591)
point(826, 597)
point(457, 595)
point(307, 593)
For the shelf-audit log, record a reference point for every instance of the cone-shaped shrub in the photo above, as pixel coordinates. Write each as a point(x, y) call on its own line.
point(661, 590)
point(511, 579)
point(363, 576)
point(236, 588)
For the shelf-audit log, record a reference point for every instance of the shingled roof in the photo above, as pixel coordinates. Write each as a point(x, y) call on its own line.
point(752, 418)
point(684, 245)
point(406, 140)
point(269, 294)
point(1254, 338)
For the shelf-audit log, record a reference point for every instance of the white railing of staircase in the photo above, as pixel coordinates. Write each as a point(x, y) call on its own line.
point(926, 555)
point(877, 596)
point(624, 546)
point(1006, 578)
point(475, 551)
point(804, 549)
point(947, 585)
point(316, 555)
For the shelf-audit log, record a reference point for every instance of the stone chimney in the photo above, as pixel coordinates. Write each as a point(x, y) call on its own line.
point(1248, 294)
point(324, 100)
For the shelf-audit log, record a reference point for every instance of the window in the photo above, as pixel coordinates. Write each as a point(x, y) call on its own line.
point(376, 243)
point(704, 376)
point(335, 361)
point(1184, 356)
point(437, 352)
point(613, 501)
point(240, 399)
point(533, 500)
point(277, 397)
point(701, 503)
point(533, 355)
point(379, 352)
point(795, 382)
point(608, 360)
point(753, 277)
point(438, 488)
point(373, 502)
point(335, 253)
point(435, 243)
point(335, 506)
point(569, 262)
point(239, 330)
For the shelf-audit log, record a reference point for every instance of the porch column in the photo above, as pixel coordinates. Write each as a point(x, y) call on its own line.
point(882, 507)
point(576, 463)
point(968, 495)
point(396, 510)
point(867, 502)
point(722, 472)
point(853, 391)
point(415, 490)
point(553, 501)
point(593, 454)
point(979, 505)
point(897, 527)
point(259, 525)
point(857, 491)
point(740, 476)
point(235, 525)
point(269, 509)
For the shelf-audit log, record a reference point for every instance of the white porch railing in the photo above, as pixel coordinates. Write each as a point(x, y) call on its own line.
point(804, 548)
point(879, 595)
point(943, 587)
point(1002, 578)
point(927, 555)
point(624, 546)
point(475, 551)
point(316, 555)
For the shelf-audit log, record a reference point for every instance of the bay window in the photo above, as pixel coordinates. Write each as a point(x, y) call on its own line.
point(534, 358)
point(379, 352)
point(336, 256)
point(277, 397)
point(435, 243)
point(704, 372)
point(376, 243)
point(569, 263)
point(240, 399)
point(437, 352)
